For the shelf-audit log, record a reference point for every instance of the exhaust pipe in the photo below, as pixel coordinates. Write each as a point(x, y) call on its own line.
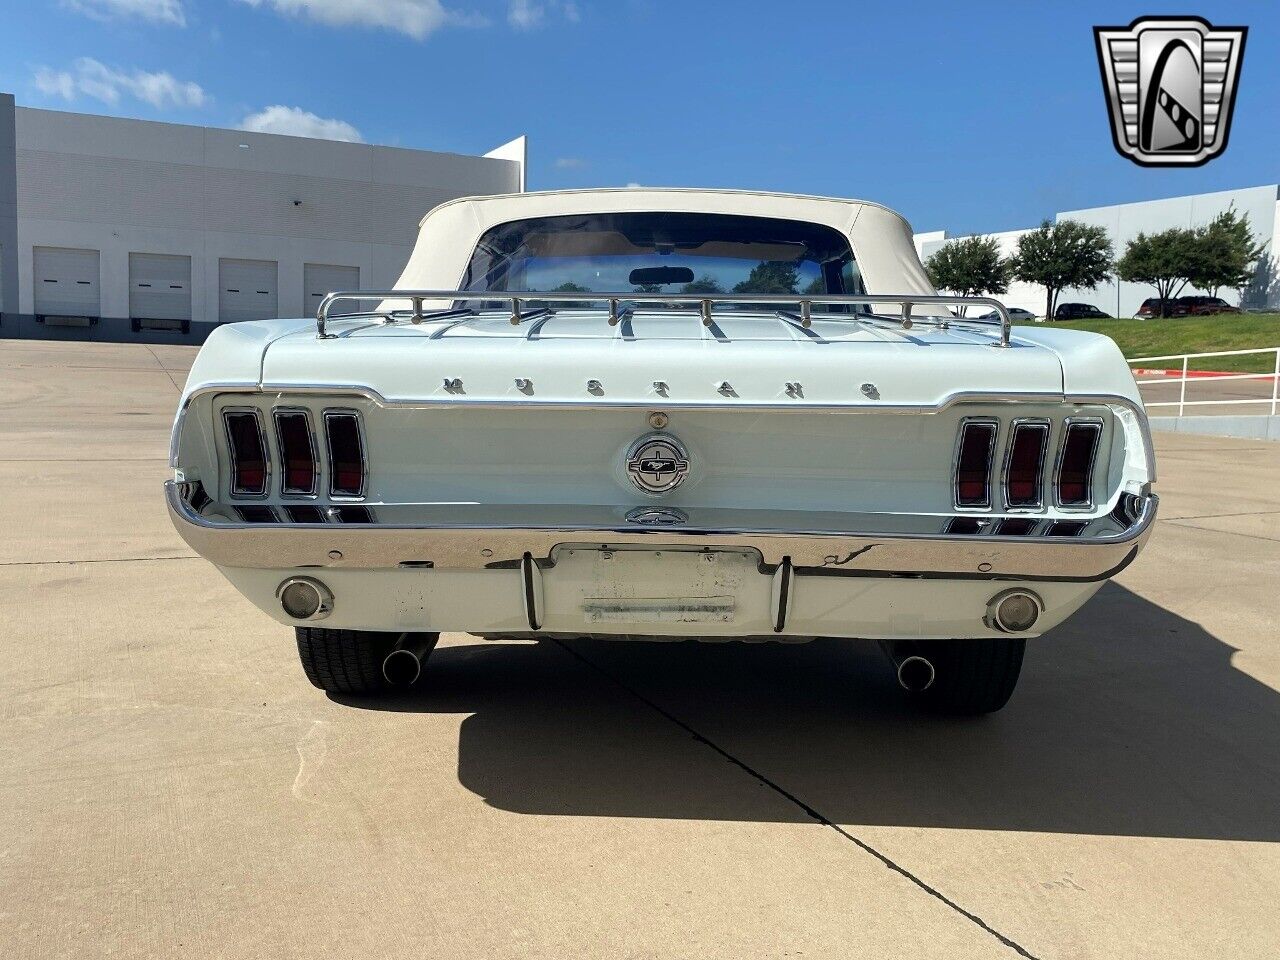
point(403, 665)
point(915, 673)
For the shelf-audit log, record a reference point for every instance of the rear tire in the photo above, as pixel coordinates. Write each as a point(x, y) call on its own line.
point(972, 677)
point(345, 661)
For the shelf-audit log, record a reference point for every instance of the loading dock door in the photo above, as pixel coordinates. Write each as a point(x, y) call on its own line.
point(66, 282)
point(321, 278)
point(159, 290)
point(247, 290)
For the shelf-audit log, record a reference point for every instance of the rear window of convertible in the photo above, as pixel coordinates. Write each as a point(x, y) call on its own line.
point(664, 253)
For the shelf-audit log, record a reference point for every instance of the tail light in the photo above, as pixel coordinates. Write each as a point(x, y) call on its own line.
point(248, 453)
point(973, 464)
point(1024, 466)
point(1075, 464)
point(346, 453)
point(293, 430)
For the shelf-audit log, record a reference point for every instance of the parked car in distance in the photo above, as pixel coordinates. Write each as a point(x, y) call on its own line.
point(1079, 311)
point(1155, 307)
point(1203, 306)
point(658, 414)
point(1016, 314)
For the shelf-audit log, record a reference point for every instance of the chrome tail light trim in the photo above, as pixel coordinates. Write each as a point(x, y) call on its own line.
point(236, 421)
point(1077, 453)
point(288, 439)
point(345, 429)
point(1022, 433)
point(972, 463)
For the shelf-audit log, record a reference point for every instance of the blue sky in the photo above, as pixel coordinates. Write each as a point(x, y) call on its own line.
point(968, 116)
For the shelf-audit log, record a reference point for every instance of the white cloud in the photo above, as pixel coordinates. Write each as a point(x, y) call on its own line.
point(529, 15)
point(56, 83)
point(296, 122)
point(89, 78)
point(525, 15)
point(569, 163)
point(634, 186)
point(157, 11)
point(414, 18)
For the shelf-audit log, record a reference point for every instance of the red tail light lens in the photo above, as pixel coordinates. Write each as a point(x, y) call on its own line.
point(1075, 465)
point(248, 453)
point(293, 429)
point(1024, 468)
point(973, 464)
point(346, 454)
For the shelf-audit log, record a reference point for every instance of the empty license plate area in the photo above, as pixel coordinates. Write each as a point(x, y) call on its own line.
point(637, 586)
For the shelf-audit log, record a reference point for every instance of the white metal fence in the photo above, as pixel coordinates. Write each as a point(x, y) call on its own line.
point(1184, 359)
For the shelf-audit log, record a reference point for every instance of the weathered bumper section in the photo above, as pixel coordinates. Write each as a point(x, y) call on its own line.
point(656, 582)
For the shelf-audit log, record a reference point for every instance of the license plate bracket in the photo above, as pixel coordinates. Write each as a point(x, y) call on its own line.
point(677, 585)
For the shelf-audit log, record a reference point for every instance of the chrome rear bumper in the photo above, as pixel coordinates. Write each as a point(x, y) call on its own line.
point(477, 547)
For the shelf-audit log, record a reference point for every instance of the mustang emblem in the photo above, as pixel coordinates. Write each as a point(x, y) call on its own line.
point(657, 463)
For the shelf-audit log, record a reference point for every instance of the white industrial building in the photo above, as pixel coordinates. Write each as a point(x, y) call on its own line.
point(1125, 221)
point(116, 229)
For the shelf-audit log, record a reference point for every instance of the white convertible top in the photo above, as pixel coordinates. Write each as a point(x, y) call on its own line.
point(881, 239)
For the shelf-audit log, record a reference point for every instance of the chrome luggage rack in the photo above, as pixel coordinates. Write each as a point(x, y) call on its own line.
point(619, 305)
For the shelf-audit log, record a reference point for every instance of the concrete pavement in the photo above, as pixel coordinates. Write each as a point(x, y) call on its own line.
point(170, 784)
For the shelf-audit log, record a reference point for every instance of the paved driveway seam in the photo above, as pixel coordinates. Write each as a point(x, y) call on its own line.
point(816, 815)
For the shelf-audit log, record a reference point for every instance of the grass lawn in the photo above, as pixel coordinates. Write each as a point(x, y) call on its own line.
point(1156, 338)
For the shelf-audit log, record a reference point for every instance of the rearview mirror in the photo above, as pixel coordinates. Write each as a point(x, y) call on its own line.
point(647, 275)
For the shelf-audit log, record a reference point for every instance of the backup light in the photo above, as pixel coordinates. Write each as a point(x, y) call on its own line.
point(303, 598)
point(1014, 611)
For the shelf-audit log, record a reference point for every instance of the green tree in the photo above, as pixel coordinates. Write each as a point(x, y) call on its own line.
point(970, 267)
point(567, 287)
point(770, 276)
point(1167, 260)
point(704, 284)
point(1228, 253)
point(1063, 255)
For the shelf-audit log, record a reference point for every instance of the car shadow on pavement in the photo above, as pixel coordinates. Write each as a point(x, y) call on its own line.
point(1128, 720)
